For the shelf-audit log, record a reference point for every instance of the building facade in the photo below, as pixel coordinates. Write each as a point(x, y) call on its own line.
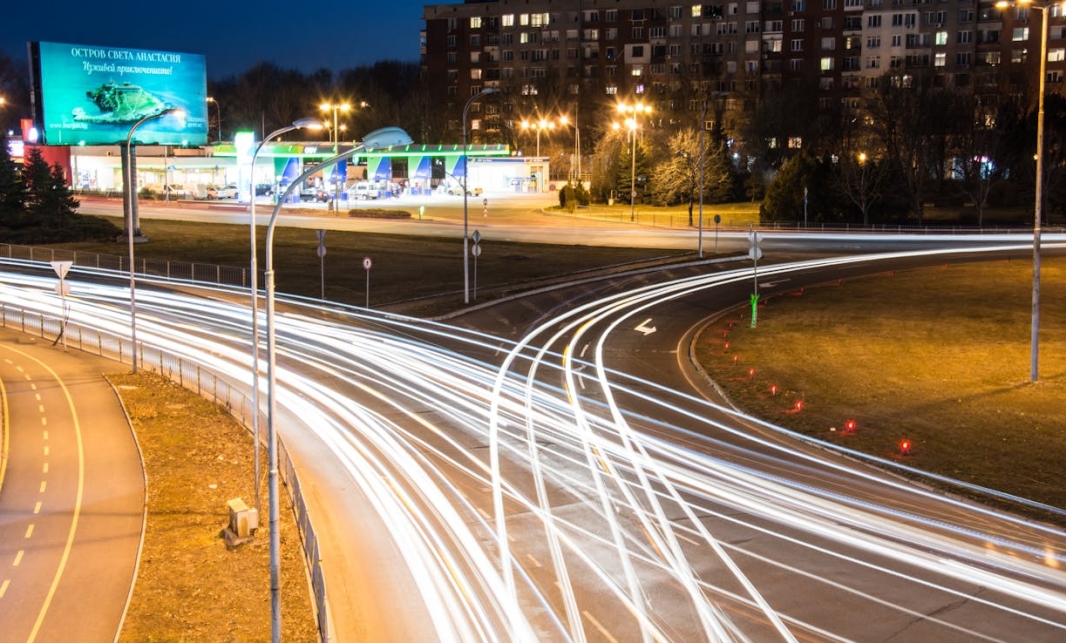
point(583, 54)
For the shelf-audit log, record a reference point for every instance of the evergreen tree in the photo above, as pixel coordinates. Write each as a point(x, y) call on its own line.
point(12, 192)
point(625, 174)
point(50, 202)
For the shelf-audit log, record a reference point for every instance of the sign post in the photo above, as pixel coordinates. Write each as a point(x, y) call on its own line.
point(62, 289)
point(322, 261)
point(754, 253)
point(476, 251)
point(366, 266)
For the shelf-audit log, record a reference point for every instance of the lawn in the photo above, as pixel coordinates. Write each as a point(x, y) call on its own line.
point(938, 356)
point(405, 268)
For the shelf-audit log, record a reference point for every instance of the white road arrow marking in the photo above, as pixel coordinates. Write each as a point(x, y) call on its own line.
point(644, 328)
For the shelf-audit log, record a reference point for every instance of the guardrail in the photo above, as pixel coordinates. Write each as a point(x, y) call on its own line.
point(159, 268)
point(205, 383)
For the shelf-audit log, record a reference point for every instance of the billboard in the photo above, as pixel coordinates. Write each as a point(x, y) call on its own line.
point(92, 95)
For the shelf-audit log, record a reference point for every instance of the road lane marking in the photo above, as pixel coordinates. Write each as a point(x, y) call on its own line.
point(644, 328)
point(79, 496)
point(40, 408)
point(46, 435)
point(18, 558)
point(46, 450)
point(44, 421)
point(29, 531)
point(43, 485)
point(37, 508)
point(3, 588)
point(45, 468)
point(599, 627)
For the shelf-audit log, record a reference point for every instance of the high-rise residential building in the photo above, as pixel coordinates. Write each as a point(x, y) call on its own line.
point(584, 54)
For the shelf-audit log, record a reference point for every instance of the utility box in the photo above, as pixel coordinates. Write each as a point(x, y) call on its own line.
point(243, 521)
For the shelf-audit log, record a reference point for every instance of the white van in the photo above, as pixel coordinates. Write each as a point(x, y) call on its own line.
point(365, 190)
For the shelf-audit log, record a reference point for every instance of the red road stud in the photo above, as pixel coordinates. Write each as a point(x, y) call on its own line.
point(849, 426)
point(905, 447)
point(773, 390)
point(735, 359)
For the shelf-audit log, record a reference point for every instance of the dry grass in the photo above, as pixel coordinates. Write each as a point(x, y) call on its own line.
point(189, 587)
point(939, 356)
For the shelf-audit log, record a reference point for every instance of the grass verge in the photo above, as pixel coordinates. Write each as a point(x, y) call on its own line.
point(937, 356)
point(189, 587)
point(405, 268)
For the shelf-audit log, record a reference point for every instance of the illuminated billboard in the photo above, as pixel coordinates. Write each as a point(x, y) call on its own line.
point(93, 95)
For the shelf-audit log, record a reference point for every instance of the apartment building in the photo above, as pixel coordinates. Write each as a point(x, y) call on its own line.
point(590, 53)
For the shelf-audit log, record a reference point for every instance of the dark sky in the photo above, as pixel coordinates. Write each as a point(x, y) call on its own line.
point(233, 36)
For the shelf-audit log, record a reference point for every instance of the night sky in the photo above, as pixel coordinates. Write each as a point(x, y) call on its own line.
point(232, 36)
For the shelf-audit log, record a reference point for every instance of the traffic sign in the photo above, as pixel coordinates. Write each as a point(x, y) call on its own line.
point(61, 268)
point(63, 288)
point(367, 263)
point(476, 237)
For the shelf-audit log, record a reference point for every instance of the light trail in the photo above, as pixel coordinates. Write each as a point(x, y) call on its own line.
point(661, 516)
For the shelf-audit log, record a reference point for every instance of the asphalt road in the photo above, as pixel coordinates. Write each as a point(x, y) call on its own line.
point(71, 496)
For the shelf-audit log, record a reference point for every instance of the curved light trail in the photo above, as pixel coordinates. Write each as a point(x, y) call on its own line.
point(537, 495)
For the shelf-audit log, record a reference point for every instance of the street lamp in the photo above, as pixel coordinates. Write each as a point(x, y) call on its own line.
point(385, 137)
point(1034, 360)
point(466, 176)
point(537, 126)
point(218, 115)
point(334, 135)
point(303, 123)
point(632, 125)
point(575, 173)
point(131, 226)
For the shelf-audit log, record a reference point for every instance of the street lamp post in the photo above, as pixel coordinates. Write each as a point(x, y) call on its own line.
point(303, 123)
point(1034, 360)
point(131, 227)
point(466, 175)
point(632, 125)
point(384, 137)
point(334, 136)
point(575, 173)
point(218, 118)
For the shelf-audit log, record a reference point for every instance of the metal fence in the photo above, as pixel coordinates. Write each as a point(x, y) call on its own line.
point(160, 268)
point(205, 383)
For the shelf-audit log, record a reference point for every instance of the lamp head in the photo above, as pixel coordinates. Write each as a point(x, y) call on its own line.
point(386, 137)
point(307, 123)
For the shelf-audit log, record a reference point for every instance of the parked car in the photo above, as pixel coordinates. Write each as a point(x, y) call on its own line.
point(170, 190)
point(264, 189)
point(315, 194)
point(228, 191)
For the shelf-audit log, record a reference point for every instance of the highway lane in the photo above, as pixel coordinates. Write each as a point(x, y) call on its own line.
point(72, 497)
point(523, 219)
point(848, 497)
point(606, 531)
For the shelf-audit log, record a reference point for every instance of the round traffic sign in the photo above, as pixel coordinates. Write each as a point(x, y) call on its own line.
point(367, 263)
point(322, 251)
point(476, 250)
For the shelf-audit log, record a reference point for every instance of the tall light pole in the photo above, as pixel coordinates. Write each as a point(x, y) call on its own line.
point(334, 135)
point(303, 123)
point(574, 172)
point(131, 231)
point(538, 126)
point(466, 176)
point(632, 124)
point(384, 137)
point(1034, 339)
point(218, 117)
